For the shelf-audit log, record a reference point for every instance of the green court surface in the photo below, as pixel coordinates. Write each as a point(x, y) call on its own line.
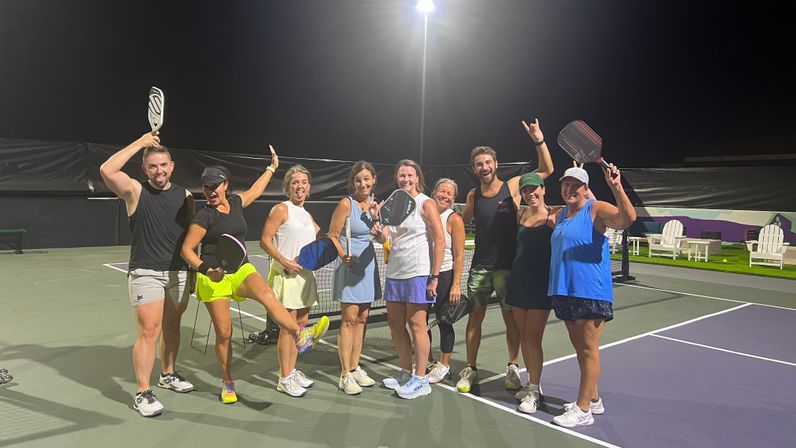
point(66, 331)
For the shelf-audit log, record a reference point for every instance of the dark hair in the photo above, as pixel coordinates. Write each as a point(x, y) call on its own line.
point(421, 184)
point(154, 150)
point(359, 166)
point(478, 150)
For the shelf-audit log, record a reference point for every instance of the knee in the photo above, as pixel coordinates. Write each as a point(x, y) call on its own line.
point(349, 323)
point(149, 330)
point(223, 333)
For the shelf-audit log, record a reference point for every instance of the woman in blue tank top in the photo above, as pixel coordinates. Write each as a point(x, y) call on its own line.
point(580, 279)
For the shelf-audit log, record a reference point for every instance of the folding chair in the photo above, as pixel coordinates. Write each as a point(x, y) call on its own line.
point(210, 327)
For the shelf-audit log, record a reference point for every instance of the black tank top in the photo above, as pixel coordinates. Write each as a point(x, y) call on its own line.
point(158, 228)
point(529, 288)
point(495, 230)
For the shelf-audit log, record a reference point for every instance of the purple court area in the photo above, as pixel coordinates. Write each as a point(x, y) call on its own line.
point(663, 393)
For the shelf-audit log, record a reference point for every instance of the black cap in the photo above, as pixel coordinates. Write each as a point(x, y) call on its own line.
point(213, 175)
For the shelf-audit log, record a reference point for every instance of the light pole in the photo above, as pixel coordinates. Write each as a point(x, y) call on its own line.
point(426, 7)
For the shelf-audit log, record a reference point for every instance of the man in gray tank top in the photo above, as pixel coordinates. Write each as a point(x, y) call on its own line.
point(494, 206)
point(159, 288)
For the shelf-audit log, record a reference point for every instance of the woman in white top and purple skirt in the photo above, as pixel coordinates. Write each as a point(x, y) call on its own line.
point(417, 247)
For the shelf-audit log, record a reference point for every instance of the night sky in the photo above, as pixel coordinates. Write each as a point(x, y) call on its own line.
point(341, 79)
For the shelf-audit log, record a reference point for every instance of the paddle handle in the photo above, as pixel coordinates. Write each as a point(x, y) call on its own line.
point(348, 236)
point(606, 166)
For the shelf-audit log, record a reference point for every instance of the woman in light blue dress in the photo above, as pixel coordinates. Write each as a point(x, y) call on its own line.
point(356, 278)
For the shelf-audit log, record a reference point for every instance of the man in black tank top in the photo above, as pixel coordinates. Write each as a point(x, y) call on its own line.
point(494, 206)
point(158, 282)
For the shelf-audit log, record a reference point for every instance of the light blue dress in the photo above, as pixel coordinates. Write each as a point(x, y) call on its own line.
point(360, 282)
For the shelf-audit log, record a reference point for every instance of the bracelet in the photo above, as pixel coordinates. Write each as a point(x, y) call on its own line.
point(539, 143)
point(271, 169)
point(203, 268)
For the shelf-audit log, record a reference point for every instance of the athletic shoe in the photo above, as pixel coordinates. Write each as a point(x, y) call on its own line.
point(302, 379)
point(467, 378)
point(397, 380)
point(529, 402)
point(228, 394)
point(362, 378)
point(438, 373)
point(528, 388)
point(416, 387)
point(147, 404)
point(290, 386)
point(320, 329)
point(513, 381)
point(175, 382)
point(349, 385)
point(596, 407)
point(573, 417)
point(431, 365)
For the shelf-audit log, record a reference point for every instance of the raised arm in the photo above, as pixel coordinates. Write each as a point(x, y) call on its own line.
point(456, 229)
point(117, 180)
point(534, 131)
point(258, 187)
point(336, 226)
point(622, 215)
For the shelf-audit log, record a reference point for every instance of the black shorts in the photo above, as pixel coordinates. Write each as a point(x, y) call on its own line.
point(575, 308)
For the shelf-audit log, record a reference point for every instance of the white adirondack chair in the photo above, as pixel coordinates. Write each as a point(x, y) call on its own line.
point(667, 244)
point(614, 238)
point(768, 250)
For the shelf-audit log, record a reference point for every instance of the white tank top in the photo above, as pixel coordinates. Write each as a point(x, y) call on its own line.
point(411, 245)
point(447, 259)
point(297, 231)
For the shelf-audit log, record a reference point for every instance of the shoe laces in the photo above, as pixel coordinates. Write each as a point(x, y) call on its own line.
point(148, 395)
point(467, 372)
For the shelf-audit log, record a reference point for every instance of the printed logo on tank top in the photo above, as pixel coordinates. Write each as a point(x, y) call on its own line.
point(505, 206)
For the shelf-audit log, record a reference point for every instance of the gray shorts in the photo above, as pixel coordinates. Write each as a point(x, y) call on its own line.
point(147, 286)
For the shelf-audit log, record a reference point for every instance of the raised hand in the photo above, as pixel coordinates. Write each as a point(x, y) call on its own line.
point(274, 158)
point(534, 131)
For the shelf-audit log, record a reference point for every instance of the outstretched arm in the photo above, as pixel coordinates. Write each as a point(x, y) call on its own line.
point(257, 189)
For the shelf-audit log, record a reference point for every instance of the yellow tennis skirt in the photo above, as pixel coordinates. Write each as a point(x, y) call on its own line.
point(295, 291)
point(208, 290)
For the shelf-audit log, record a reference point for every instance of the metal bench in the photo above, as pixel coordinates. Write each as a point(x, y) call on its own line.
point(12, 238)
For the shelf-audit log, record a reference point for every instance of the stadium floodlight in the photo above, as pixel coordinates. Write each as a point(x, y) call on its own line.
point(426, 6)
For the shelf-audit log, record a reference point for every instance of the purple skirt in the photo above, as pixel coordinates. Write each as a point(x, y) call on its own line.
point(408, 290)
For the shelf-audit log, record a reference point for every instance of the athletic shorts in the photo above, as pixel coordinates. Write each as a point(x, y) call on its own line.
point(481, 284)
point(208, 291)
point(575, 308)
point(295, 291)
point(147, 286)
point(408, 290)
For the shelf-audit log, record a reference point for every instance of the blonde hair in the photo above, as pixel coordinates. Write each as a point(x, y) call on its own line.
point(421, 182)
point(298, 168)
point(446, 180)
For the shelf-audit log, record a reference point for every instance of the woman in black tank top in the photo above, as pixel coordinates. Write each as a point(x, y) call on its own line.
point(528, 283)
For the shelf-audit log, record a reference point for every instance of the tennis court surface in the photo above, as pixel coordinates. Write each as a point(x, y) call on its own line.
point(692, 359)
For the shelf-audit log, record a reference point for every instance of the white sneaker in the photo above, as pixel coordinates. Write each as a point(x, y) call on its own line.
point(290, 386)
point(397, 380)
point(573, 417)
point(529, 402)
point(527, 389)
point(416, 387)
point(513, 381)
point(467, 377)
point(348, 384)
point(596, 408)
point(302, 379)
point(175, 382)
point(362, 378)
point(147, 404)
point(438, 373)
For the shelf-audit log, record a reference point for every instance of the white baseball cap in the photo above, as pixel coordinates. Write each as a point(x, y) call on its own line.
point(576, 173)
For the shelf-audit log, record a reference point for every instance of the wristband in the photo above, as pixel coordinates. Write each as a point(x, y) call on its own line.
point(203, 268)
point(271, 169)
point(539, 143)
point(433, 277)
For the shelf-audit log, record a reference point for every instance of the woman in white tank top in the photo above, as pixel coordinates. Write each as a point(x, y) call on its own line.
point(289, 228)
point(417, 246)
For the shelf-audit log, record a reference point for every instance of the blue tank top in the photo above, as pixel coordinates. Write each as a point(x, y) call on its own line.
point(580, 261)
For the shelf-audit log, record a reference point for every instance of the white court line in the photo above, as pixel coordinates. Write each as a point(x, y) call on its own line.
point(110, 265)
point(733, 352)
point(723, 299)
